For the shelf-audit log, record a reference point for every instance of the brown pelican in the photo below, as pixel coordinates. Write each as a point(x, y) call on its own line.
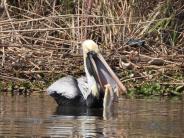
point(99, 87)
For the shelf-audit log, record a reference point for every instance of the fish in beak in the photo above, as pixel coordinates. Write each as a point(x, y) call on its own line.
point(99, 71)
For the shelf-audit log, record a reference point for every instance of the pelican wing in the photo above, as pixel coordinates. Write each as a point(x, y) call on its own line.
point(66, 86)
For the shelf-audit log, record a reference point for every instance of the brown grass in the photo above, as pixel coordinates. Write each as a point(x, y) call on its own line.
point(40, 40)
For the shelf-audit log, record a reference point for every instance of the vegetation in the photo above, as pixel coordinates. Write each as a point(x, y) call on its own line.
point(39, 41)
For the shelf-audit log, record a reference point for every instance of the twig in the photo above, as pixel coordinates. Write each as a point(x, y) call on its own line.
point(11, 78)
point(172, 83)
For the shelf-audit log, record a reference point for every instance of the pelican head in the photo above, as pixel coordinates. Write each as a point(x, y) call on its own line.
point(98, 72)
point(89, 46)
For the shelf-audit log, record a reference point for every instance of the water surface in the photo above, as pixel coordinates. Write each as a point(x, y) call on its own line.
point(39, 116)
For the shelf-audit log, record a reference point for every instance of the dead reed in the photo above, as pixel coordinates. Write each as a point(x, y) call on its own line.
point(40, 40)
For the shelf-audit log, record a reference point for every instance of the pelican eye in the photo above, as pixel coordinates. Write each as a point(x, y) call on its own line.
point(92, 53)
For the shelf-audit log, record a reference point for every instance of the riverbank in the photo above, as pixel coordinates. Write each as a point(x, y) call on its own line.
point(140, 78)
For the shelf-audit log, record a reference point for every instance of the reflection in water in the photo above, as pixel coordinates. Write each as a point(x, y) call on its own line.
point(78, 111)
point(36, 116)
point(84, 111)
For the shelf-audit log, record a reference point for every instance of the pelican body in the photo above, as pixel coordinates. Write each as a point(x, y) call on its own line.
point(98, 89)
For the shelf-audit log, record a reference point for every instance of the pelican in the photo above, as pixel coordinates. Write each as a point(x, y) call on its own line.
point(97, 90)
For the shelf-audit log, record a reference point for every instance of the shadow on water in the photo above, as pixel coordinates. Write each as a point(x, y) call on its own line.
point(78, 111)
point(35, 116)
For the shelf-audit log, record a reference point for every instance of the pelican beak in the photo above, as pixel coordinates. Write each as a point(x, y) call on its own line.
point(103, 74)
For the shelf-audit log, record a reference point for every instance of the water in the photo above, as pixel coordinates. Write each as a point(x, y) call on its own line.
point(35, 116)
